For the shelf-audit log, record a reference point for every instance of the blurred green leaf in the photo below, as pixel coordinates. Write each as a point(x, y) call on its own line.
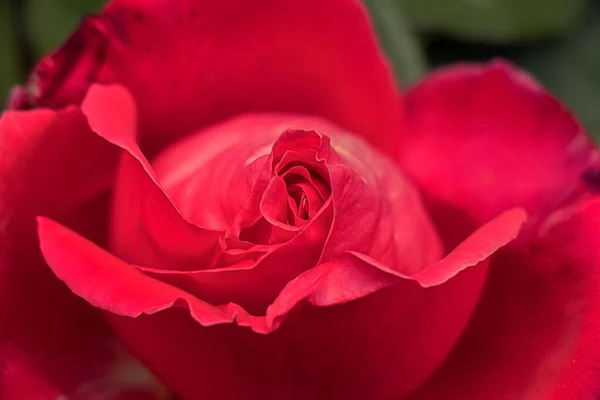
point(50, 22)
point(399, 40)
point(9, 64)
point(494, 20)
point(571, 70)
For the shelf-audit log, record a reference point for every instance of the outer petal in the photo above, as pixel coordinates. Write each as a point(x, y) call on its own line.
point(113, 285)
point(367, 348)
point(480, 139)
point(535, 334)
point(368, 342)
point(194, 62)
point(51, 343)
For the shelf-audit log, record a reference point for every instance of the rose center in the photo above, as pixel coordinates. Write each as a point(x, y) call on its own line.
point(304, 200)
point(297, 204)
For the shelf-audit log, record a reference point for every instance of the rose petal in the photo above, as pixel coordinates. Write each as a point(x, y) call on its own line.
point(73, 258)
point(353, 275)
point(379, 346)
point(480, 139)
point(274, 205)
point(195, 62)
point(535, 332)
point(386, 344)
point(53, 345)
point(479, 245)
point(257, 284)
point(46, 137)
point(147, 228)
point(377, 211)
point(109, 283)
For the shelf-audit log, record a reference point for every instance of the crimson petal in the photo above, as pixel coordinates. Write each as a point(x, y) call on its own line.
point(53, 345)
point(191, 63)
point(535, 332)
point(147, 228)
point(480, 139)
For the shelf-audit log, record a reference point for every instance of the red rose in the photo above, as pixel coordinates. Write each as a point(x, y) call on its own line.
point(245, 203)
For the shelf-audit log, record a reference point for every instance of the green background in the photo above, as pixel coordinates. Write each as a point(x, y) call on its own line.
point(557, 40)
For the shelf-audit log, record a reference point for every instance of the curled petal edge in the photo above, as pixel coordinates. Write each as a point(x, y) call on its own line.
point(111, 284)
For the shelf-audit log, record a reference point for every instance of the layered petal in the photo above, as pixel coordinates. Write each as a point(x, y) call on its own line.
point(357, 289)
point(390, 324)
point(377, 346)
point(196, 62)
point(256, 279)
point(480, 139)
point(146, 227)
point(379, 213)
point(535, 332)
point(264, 218)
point(51, 343)
point(113, 285)
point(243, 185)
point(372, 293)
point(148, 230)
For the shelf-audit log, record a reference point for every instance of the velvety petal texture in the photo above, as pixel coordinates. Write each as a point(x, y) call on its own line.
point(53, 345)
point(204, 61)
point(480, 139)
point(535, 334)
point(367, 246)
point(151, 225)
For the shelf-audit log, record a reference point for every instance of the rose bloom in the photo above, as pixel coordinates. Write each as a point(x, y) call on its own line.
point(234, 196)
